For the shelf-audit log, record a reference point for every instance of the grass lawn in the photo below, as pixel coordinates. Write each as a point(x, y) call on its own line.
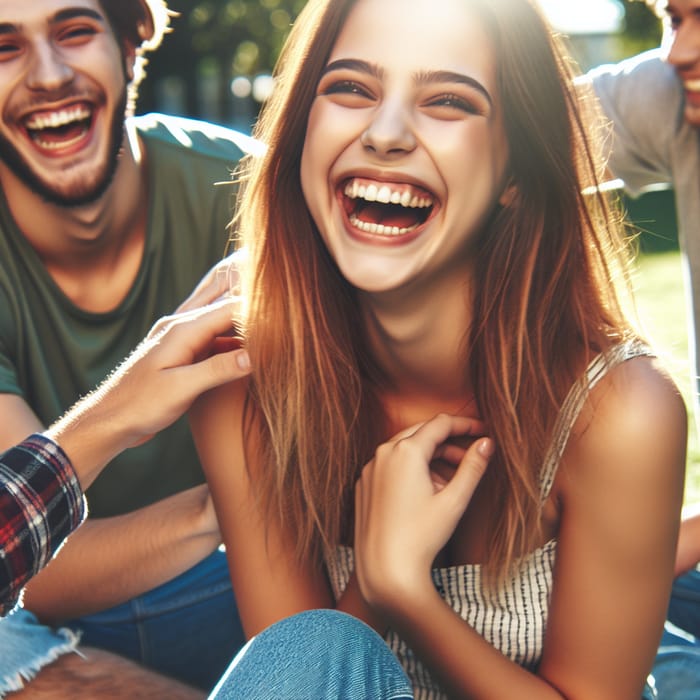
point(659, 290)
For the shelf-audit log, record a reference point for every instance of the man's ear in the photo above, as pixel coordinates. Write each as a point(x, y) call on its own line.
point(508, 195)
point(145, 26)
point(129, 59)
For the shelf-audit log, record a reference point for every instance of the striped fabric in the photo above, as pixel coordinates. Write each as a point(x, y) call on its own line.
point(41, 503)
point(513, 617)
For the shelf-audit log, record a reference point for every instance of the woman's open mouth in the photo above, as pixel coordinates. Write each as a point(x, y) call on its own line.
point(386, 209)
point(61, 129)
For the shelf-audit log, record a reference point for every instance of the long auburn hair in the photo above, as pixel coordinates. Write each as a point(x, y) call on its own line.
point(545, 294)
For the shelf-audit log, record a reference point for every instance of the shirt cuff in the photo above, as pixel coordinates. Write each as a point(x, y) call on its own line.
point(41, 503)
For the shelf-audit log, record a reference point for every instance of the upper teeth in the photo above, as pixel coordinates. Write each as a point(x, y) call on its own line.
point(59, 118)
point(693, 85)
point(385, 194)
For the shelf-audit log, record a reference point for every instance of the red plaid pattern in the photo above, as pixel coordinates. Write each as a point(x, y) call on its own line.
point(41, 503)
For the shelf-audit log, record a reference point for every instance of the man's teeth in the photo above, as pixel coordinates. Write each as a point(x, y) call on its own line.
point(384, 194)
point(54, 120)
point(56, 145)
point(379, 229)
point(692, 85)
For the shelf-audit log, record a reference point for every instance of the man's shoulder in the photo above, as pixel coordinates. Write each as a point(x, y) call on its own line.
point(647, 69)
point(204, 138)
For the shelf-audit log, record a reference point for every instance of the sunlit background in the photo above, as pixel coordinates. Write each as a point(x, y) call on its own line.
point(585, 16)
point(216, 64)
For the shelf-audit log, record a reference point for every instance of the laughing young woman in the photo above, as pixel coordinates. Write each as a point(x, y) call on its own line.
point(455, 433)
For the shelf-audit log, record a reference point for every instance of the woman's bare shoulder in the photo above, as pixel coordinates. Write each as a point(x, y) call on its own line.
point(633, 429)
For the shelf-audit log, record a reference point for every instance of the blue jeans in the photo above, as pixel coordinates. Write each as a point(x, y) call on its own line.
point(676, 669)
point(684, 608)
point(26, 646)
point(187, 629)
point(315, 655)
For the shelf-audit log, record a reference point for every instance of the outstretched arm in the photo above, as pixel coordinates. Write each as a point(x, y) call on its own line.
point(153, 387)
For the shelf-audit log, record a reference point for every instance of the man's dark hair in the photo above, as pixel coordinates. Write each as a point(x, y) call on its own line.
point(141, 24)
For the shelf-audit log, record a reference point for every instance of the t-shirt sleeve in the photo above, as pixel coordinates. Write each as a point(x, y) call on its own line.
point(641, 98)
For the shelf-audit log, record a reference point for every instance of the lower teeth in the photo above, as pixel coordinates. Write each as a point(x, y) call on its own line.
point(56, 145)
point(379, 229)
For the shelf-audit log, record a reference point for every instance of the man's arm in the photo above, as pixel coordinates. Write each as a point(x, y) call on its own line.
point(688, 553)
point(109, 561)
point(119, 557)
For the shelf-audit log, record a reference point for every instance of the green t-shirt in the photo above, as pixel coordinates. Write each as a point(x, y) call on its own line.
point(52, 352)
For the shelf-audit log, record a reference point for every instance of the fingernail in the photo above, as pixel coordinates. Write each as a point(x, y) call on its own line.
point(243, 360)
point(485, 447)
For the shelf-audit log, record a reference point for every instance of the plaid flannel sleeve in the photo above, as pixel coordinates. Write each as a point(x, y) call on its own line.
point(41, 503)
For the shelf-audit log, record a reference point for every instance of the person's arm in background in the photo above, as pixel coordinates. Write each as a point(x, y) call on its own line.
point(152, 388)
point(688, 552)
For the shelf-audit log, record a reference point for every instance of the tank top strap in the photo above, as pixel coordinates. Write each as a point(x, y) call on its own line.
point(575, 399)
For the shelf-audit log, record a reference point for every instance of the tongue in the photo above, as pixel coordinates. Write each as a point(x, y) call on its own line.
point(388, 215)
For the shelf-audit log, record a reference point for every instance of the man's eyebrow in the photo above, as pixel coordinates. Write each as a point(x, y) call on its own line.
point(354, 64)
point(77, 12)
point(446, 76)
point(61, 16)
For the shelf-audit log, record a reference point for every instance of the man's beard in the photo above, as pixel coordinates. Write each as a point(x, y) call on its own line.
point(82, 195)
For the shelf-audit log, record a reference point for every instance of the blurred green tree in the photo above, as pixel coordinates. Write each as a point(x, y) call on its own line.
point(642, 27)
point(212, 42)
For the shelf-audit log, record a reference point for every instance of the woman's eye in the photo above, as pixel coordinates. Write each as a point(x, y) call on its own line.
point(344, 87)
point(454, 102)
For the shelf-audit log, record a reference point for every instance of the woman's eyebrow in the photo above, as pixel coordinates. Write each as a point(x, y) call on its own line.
point(446, 76)
point(354, 64)
point(421, 78)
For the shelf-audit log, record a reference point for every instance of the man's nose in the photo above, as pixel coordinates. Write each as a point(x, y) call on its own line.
point(684, 45)
point(48, 69)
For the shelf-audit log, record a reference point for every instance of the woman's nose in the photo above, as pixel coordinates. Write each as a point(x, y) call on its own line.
point(390, 131)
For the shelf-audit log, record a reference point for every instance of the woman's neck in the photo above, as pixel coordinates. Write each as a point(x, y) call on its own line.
point(418, 338)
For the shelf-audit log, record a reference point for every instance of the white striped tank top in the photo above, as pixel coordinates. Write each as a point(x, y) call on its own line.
point(513, 617)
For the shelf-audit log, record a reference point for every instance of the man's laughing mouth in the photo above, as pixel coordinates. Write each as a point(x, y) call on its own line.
point(386, 209)
point(60, 129)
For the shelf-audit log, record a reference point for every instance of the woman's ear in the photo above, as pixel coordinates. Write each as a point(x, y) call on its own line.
point(508, 195)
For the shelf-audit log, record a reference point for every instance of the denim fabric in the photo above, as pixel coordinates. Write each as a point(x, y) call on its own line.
point(677, 672)
point(26, 646)
point(676, 669)
point(315, 655)
point(187, 629)
point(684, 608)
